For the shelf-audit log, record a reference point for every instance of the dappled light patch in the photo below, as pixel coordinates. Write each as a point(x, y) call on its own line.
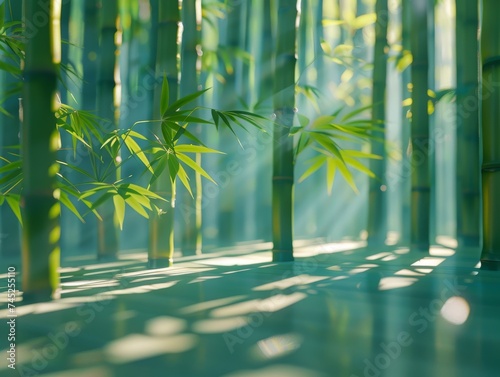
point(378, 255)
point(102, 272)
point(390, 258)
point(271, 304)
point(165, 272)
point(236, 271)
point(219, 325)
point(456, 310)
point(202, 279)
point(277, 346)
point(402, 250)
point(161, 326)
point(395, 282)
point(135, 347)
point(428, 262)
point(290, 282)
point(98, 266)
point(407, 272)
point(441, 251)
point(91, 283)
point(142, 288)
point(362, 268)
point(211, 304)
point(238, 260)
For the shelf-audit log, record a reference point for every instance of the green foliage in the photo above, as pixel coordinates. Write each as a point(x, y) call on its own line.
point(325, 135)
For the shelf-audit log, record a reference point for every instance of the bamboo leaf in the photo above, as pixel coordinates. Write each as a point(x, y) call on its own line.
point(14, 203)
point(160, 165)
point(331, 168)
point(347, 176)
point(193, 165)
point(119, 204)
point(315, 164)
point(184, 180)
point(63, 198)
point(137, 206)
point(136, 150)
point(215, 117)
point(189, 148)
point(173, 166)
point(352, 114)
point(404, 61)
point(182, 101)
point(164, 98)
point(359, 166)
point(364, 20)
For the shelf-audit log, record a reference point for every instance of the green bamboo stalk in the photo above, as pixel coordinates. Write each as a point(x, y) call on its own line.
point(468, 175)
point(9, 135)
point(377, 202)
point(190, 206)
point(161, 225)
point(284, 103)
point(40, 241)
point(490, 171)
point(434, 227)
point(405, 174)
point(265, 83)
point(107, 229)
point(86, 235)
point(228, 216)
point(420, 185)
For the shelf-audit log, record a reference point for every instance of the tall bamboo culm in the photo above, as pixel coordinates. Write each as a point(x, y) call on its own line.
point(107, 230)
point(420, 183)
point(490, 52)
point(190, 207)
point(9, 136)
point(405, 174)
point(377, 211)
point(284, 104)
point(161, 225)
point(468, 174)
point(40, 208)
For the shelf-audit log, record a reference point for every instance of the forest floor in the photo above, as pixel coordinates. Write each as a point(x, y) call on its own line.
point(340, 309)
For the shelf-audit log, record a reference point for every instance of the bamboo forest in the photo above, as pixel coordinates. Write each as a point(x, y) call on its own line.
point(243, 188)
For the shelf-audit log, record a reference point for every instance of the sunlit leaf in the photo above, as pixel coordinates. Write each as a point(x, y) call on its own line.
point(407, 102)
point(364, 20)
point(314, 165)
point(14, 203)
point(189, 148)
point(183, 177)
point(404, 61)
point(119, 204)
point(193, 165)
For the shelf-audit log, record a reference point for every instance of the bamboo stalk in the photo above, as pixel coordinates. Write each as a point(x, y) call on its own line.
point(190, 206)
point(107, 229)
point(284, 103)
point(40, 241)
point(9, 136)
point(468, 174)
point(405, 173)
point(490, 172)
point(161, 225)
point(377, 211)
point(420, 185)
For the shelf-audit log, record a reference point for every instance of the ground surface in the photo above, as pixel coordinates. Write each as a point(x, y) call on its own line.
point(338, 310)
